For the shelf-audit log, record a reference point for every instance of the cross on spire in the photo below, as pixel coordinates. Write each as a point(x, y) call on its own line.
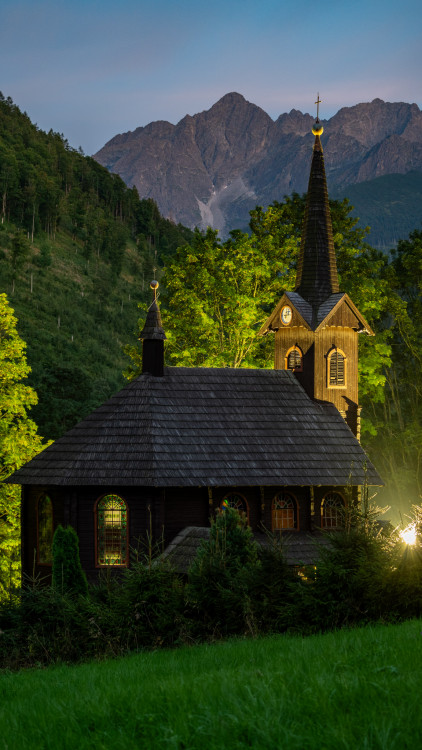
point(318, 102)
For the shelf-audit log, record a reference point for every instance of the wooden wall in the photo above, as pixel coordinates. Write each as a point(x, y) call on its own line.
point(171, 509)
point(316, 347)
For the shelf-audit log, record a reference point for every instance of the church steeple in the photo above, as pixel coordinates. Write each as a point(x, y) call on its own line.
point(317, 327)
point(153, 336)
point(316, 276)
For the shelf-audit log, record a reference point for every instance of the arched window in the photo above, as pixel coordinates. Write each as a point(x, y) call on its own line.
point(294, 359)
point(284, 512)
point(111, 531)
point(336, 369)
point(236, 501)
point(332, 511)
point(45, 530)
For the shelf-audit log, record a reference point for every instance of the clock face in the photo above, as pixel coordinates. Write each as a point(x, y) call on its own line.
point(286, 315)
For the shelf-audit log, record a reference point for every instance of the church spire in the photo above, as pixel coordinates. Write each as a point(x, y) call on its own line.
point(316, 277)
point(152, 336)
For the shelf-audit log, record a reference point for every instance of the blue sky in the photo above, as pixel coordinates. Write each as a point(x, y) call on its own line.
point(91, 69)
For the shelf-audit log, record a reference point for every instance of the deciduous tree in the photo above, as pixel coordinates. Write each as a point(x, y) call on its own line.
point(19, 442)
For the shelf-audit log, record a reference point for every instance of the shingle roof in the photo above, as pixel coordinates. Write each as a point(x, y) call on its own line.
point(299, 548)
point(206, 427)
point(301, 305)
point(327, 306)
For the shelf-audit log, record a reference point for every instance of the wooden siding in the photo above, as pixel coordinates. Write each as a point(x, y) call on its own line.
point(171, 512)
point(316, 347)
point(344, 398)
point(345, 317)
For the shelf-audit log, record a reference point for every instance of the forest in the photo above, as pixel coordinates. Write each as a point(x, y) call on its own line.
point(78, 249)
point(77, 252)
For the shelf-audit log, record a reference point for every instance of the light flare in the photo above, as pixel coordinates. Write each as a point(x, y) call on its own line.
point(409, 535)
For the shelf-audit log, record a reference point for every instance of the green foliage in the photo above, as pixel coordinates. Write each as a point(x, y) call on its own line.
point(220, 577)
point(390, 205)
point(46, 627)
point(19, 442)
point(217, 295)
point(68, 576)
point(233, 588)
point(273, 587)
point(77, 252)
point(338, 690)
point(20, 250)
point(146, 608)
point(397, 444)
point(334, 691)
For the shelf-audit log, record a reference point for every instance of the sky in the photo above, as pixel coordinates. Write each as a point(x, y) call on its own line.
point(93, 68)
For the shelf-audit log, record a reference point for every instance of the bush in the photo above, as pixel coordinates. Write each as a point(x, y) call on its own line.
point(273, 587)
point(45, 627)
point(220, 578)
point(68, 576)
point(145, 607)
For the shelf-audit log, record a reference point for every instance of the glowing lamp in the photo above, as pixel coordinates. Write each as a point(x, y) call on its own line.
point(409, 535)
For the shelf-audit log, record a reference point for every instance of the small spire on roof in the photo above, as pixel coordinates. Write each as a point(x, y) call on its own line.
point(317, 128)
point(153, 327)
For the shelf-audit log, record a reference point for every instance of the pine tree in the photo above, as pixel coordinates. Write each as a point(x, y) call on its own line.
point(68, 576)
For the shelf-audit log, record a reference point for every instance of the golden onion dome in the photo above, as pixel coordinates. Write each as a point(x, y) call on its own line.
point(317, 128)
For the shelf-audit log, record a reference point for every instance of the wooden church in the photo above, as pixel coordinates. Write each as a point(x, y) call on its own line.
point(177, 443)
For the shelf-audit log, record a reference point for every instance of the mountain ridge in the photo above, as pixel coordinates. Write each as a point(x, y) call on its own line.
point(213, 167)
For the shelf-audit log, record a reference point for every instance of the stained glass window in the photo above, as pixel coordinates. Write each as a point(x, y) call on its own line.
point(284, 512)
point(332, 511)
point(112, 531)
point(238, 502)
point(45, 530)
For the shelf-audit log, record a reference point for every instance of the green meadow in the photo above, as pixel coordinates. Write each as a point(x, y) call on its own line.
point(347, 689)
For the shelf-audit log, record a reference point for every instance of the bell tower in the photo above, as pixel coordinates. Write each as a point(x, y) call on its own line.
point(317, 326)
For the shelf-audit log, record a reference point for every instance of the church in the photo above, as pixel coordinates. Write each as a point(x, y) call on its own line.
point(177, 444)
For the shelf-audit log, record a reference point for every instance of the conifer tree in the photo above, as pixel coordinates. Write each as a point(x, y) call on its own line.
point(68, 576)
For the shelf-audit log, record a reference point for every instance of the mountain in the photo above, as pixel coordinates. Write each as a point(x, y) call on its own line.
point(213, 167)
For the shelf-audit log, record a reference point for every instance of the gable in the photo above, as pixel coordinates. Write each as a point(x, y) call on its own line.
point(301, 313)
point(339, 310)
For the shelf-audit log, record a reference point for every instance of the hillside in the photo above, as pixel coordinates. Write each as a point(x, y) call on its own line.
point(390, 205)
point(214, 167)
point(77, 250)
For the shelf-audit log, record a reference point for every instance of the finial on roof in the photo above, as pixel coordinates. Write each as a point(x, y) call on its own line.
point(152, 336)
point(153, 328)
point(154, 286)
point(317, 128)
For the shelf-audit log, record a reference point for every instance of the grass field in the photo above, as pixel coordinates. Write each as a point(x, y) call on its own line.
point(343, 690)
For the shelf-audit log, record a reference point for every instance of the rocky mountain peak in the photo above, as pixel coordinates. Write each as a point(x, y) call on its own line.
point(213, 167)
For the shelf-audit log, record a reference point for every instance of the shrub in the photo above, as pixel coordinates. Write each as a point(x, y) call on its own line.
point(145, 608)
point(220, 578)
point(68, 576)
